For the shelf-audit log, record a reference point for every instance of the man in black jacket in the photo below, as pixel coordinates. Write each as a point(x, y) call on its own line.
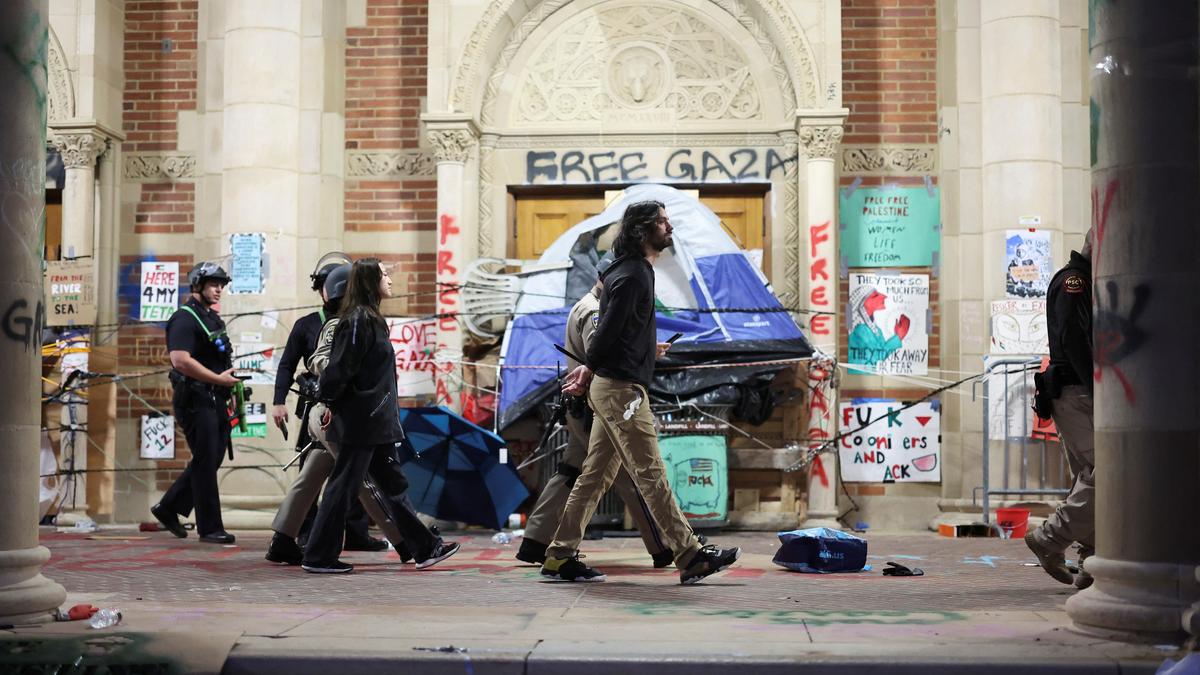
point(1067, 386)
point(301, 344)
point(621, 355)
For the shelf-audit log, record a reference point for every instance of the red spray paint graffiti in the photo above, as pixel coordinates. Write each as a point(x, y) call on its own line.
point(1116, 334)
point(447, 302)
point(820, 297)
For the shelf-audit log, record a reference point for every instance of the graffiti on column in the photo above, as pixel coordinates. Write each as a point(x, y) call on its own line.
point(820, 283)
point(1117, 332)
point(29, 56)
point(820, 428)
point(448, 299)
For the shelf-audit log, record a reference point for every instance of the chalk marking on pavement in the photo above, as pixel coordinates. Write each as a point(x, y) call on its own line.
point(806, 617)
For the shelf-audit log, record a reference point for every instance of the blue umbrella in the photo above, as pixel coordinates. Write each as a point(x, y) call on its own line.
point(454, 471)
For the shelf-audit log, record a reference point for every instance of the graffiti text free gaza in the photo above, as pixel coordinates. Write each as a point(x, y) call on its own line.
point(685, 164)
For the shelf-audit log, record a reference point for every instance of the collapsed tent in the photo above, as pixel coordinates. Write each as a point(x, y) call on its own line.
point(705, 288)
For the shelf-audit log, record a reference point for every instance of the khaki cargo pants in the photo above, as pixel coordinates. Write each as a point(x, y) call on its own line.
point(1075, 518)
point(623, 435)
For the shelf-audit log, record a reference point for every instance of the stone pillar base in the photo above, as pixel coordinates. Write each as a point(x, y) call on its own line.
point(1135, 601)
point(822, 520)
point(25, 595)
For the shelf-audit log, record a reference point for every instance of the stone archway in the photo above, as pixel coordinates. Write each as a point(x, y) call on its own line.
point(505, 24)
point(722, 76)
point(61, 91)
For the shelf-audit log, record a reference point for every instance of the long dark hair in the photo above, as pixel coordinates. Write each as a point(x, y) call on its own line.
point(639, 221)
point(362, 290)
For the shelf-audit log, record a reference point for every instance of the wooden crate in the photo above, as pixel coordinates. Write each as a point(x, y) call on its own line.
point(763, 496)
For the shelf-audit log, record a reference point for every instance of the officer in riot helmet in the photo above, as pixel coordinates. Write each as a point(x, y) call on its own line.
point(202, 376)
point(301, 343)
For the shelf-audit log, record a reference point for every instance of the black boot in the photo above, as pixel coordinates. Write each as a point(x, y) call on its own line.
point(283, 549)
point(531, 551)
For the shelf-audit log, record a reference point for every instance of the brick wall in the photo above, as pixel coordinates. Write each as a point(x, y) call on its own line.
point(889, 70)
point(385, 88)
point(889, 66)
point(160, 81)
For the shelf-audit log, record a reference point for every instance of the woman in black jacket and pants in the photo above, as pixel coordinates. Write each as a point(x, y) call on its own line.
point(359, 386)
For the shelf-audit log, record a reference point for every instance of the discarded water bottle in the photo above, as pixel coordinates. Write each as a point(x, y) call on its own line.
point(501, 538)
point(106, 618)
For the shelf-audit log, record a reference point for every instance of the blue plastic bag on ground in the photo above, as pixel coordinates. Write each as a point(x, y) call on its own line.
point(821, 550)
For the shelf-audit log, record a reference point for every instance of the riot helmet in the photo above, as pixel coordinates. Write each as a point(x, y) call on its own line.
point(207, 271)
point(335, 282)
point(324, 266)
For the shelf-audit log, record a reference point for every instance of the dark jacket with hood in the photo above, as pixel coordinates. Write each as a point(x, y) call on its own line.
point(359, 383)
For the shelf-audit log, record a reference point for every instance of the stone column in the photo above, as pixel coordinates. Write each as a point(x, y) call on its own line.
point(451, 139)
point(820, 135)
point(1145, 169)
point(25, 595)
point(102, 395)
point(267, 145)
point(79, 149)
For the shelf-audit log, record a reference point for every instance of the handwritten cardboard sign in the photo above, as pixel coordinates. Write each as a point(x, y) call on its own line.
point(70, 293)
point(888, 326)
point(159, 291)
point(887, 443)
point(158, 437)
point(890, 226)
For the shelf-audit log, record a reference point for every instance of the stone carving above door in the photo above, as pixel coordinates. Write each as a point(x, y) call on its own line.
point(643, 62)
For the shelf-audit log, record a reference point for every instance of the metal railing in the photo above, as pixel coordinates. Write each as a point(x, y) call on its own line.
point(1014, 374)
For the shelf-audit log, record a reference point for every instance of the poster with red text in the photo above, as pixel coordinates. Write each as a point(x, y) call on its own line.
point(415, 342)
point(885, 442)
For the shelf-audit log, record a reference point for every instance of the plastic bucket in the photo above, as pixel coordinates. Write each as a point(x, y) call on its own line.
point(1014, 522)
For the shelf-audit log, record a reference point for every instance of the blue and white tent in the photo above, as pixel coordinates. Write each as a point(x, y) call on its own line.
point(705, 287)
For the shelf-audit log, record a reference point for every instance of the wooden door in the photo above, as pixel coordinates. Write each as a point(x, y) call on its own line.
point(742, 218)
point(541, 220)
point(53, 231)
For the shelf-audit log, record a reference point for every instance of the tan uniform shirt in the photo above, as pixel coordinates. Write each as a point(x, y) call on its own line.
point(581, 324)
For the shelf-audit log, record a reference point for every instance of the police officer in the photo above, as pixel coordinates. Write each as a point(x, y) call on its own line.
point(1065, 392)
point(202, 375)
point(301, 344)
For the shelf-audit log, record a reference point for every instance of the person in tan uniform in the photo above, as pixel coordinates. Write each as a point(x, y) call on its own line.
point(544, 520)
point(616, 377)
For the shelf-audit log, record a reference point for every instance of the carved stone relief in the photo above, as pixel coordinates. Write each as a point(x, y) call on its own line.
point(821, 141)
point(147, 168)
point(451, 145)
point(79, 149)
point(61, 91)
point(891, 160)
point(798, 66)
point(637, 58)
point(392, 165)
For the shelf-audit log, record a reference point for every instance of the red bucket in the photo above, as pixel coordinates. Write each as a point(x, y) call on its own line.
point(1014, 522)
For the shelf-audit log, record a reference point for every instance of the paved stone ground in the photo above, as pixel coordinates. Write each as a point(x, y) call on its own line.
point(979, 603)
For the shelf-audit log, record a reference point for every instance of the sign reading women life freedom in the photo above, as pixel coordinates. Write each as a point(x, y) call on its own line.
point(890, 226)
point(888, 326)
